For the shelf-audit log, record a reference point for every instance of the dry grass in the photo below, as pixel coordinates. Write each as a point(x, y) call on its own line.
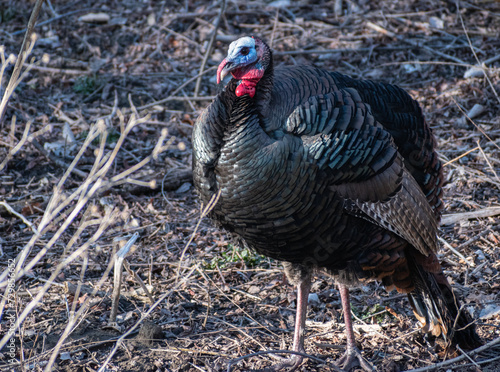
point(95, 146)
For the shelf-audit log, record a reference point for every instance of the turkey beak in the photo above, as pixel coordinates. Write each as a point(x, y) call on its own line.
point(224, 68)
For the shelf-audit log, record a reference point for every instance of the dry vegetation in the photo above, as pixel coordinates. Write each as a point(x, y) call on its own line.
point(107, 114)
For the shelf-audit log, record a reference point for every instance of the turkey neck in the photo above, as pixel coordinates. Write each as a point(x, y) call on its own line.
point(245, 105)
point(265, 87)
point(241, 108)
point(223, 120)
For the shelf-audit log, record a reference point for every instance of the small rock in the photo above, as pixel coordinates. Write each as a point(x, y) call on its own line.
point(51, 42)
point(65, 356)
point(181, 146)
point(118, 21)
point(151, 19)
point(436, 22)
point(489, 311)
point(474, 72)
point(184, 188)
point(313, 297)
point(475, 111)
point(67, 134)
point(480, 255)
point(280, 4)
point(254, 289)
point(149, 332)
point(409, 68)
point(95, 18)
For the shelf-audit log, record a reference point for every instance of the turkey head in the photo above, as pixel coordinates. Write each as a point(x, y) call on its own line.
point(246, 61)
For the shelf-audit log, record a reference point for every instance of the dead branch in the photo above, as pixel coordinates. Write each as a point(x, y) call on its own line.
point(450, 219)
point(26, 48)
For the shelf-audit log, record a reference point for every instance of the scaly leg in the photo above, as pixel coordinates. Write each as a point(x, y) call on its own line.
point(295, 360)
point(352, 357)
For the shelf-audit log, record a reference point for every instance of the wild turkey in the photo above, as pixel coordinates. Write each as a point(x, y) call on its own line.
point(322, 171)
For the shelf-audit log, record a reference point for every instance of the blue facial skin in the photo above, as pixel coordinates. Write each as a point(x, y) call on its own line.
point(235, 56)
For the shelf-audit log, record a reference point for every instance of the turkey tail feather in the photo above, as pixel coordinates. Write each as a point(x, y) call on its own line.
point(437, 308)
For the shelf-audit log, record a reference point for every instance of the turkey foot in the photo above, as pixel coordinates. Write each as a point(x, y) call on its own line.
point(287, 364)
point(352, 358)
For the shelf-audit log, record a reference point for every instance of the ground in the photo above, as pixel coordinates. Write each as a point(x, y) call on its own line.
point(213, 301)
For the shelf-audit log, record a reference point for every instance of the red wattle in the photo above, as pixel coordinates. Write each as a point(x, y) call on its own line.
point(249, 79)
point(246, 87)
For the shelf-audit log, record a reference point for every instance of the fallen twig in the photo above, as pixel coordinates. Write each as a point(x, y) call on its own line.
point(54, 70)
point(457, 253)
point(19, 215)
point(449, 219)
point(26, 48)
point(435, 366)
point(118, 273)
point(20, 144)
point(234, 361)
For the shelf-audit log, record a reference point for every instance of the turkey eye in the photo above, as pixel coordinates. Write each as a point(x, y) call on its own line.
point(244, 51)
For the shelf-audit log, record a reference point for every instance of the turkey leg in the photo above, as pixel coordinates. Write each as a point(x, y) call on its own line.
point(352, 357)
point(295, 360)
